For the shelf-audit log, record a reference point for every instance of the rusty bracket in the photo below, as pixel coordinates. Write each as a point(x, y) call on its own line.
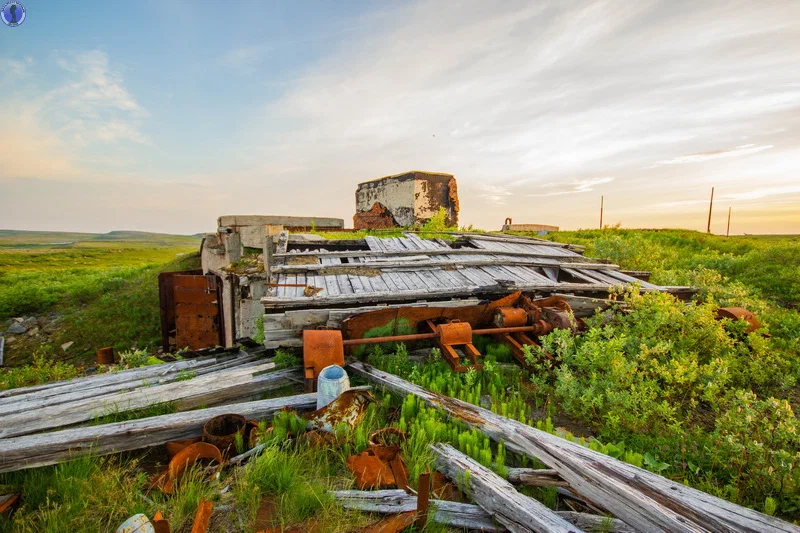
point(456, 334)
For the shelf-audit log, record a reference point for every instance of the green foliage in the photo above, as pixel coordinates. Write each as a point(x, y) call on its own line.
point(259, 335)
point(86, 494)
point(112, 413)
point(102, 293)
point(756, 445)
point(285, 359)
point(137, 358)
point(438, 222)
point(45, 368)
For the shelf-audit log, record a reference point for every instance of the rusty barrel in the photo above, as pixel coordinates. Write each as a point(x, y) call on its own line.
point(509, 317)
point(105, 356)
point(221, 431)
point(454, 333)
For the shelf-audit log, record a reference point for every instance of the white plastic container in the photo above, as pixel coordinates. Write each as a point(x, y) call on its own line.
point(332, 381)
point(138, 523)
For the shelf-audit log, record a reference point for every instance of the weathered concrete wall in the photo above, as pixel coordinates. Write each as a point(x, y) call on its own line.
point(235, 221)
point(432, 192)
point(396, 193)
point(411, 198)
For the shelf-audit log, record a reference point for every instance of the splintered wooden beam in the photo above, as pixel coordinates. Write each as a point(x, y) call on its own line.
point(535, 477)
point(31, 451)
point(211, 389)
point(459, 515)
point(517, 512)
point(31, 402)
point(642, 499)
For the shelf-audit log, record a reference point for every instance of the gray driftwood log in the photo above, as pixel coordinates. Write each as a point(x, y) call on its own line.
point(496, 496)
point(31, 402)
point(461, 515)
point(99, 380)
point(32, 451)
point(535, 477)
point(212, 389)
point(642, 499)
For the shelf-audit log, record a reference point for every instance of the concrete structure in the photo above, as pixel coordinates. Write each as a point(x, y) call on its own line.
point(541, 229)
point(235, 254)
point(405, 200)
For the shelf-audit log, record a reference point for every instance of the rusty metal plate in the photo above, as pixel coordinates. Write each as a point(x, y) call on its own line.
point(408, 320)
point(348, 408)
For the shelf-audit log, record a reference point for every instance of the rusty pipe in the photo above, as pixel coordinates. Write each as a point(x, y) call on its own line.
point(427, 336)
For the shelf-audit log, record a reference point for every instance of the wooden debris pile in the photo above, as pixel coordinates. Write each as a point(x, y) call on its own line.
point(639, 500)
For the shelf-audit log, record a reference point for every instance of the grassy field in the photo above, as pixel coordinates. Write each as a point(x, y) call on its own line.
point(92, 290)
point(662, 385)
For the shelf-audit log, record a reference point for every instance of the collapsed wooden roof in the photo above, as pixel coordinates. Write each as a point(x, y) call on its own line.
point(411, 268)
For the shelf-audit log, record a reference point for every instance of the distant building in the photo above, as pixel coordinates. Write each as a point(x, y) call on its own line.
point(405, 200)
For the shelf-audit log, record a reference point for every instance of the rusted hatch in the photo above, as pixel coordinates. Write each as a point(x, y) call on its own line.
point(191, 310)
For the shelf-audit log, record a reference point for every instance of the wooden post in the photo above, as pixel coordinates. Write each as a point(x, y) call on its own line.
point(267, 254)
point(601, 211)
point(710, 205)
point(728, 231)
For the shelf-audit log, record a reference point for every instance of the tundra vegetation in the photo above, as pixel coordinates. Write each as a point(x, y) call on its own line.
point(658, 383)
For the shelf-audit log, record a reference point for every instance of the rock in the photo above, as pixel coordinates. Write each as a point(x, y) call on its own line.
point(28, 322)
point(33, 331)
point(66, 346)
point(16, 328)
point(485, 401)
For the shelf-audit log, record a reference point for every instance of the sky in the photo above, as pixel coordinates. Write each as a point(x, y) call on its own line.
point(162, 116)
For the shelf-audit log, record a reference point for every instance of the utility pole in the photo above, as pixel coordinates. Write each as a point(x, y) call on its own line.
point(601, 212)
point(728, 231)
point(710, 205)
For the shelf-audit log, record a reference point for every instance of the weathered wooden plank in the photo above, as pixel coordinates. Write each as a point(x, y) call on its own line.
point(100, 380)
point(459, 515)
point(535, 477)
point(211, 389)
point(494, 289)
point(453, 514)
point(644, 500)
point(40, 401)
point(497, 496)
point(437, 251)
point(384, 265)
point(42, 449)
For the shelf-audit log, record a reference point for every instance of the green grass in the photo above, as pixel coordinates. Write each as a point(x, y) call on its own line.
point(766, 265)
point(100, 291)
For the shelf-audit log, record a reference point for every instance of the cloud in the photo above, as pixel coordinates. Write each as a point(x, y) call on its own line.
point(246, 57)
point(570, 187)
point(520, 99)
point(745, 149)
point(757, 194)
point(50, 132)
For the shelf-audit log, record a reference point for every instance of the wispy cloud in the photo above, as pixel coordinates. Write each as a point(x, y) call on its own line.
point(745, 149)
point(574, 186)
point(765, 192)
point(47, 131)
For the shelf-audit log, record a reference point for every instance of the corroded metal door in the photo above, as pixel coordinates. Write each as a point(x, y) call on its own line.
point(191, 310)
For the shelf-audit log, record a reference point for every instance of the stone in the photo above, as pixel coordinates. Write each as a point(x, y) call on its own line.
point(16, 328)
point(66, 346)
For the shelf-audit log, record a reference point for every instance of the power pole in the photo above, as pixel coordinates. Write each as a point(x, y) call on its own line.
point(728, 231)
point(601, 212)
point(710, 205)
